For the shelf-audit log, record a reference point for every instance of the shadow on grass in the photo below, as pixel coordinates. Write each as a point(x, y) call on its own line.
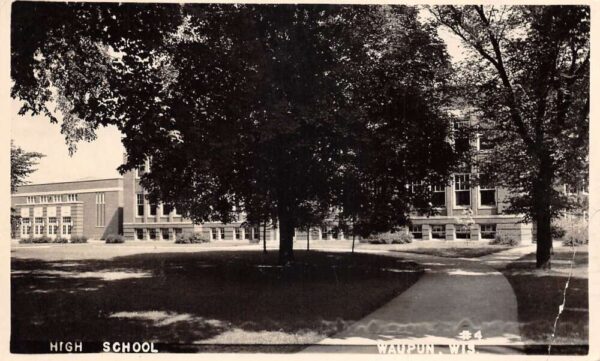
point(539, 296)
point(216, 297)
point(456, 252)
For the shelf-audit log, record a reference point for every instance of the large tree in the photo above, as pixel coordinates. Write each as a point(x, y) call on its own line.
point(22, 164)
point(258, 108)
point(528, 76)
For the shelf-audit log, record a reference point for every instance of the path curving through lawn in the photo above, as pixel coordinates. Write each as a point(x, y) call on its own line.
point(453, 296)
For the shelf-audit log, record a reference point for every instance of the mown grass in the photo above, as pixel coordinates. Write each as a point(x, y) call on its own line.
point(540, 294)
point(213, 298)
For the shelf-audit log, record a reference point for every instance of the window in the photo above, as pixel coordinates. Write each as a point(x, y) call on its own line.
point(167, 209)
point(25, 226)
point(100, 210)
point(39, 226)
point(72, 197)
point(462, 231)
point(256, 233)
point(152, 234)
point(487, 196)
point(222, 233)
point(153, 207)
point(488, 231)
point(325, 233)
point(417, 231)
point(248, 233)
point(67, 226)
point(483, 142)
point(438, 231)
point(462, 188)
point(140, 205)
point(30, 200)
point(416, 188)
point(237, 232)
point(178, 232)
point(461, 136)
point(438, 199)
point(164, 233)
point(52, 226)
point(139, 234)
point(214, 233)
point(43, 199)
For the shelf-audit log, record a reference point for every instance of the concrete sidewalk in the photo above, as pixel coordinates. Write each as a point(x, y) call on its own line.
point(452, 296)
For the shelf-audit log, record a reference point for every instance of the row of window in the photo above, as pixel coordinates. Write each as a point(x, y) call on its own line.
point(438, 231)
point(462, 193)
point(166, 209)
point(58, 198)
point(41, 224)
point(153, 233)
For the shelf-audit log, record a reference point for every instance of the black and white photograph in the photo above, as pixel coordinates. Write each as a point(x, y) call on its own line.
point(299, 179)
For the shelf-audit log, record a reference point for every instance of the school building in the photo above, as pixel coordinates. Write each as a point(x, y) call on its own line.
point(98, 208)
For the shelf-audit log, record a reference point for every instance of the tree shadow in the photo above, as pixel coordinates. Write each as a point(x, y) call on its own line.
point(187, 298)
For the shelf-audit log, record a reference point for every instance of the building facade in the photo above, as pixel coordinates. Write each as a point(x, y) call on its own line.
point(91, 208)
point(98, 208)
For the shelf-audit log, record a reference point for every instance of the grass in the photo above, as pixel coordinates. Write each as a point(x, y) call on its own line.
point(477, 250)
point(204, 300)
point(539, 295)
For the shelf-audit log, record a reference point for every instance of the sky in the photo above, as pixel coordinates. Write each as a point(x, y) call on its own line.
point(101, 157)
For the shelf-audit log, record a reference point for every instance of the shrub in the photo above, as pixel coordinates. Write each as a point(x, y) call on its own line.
point(193, 238)
point(60, 240)
point(390, 238)
point(79, 239)
point(115, 238)
point(501, 240)
point(42, 239)
point(557, 232)
point(575, 242)
point(26, 240)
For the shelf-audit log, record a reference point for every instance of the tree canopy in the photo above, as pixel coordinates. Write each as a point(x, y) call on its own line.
point(285, 112)
point(22, 164)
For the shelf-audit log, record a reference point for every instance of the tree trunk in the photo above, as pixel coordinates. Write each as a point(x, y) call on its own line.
point(543, 217)
point(265, 237)
point(544, 238)
point(308, 238)
point(353, 237)
point(286, 236)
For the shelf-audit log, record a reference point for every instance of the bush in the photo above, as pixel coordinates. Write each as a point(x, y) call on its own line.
point(115, 238)
point(196, 237)
point(557, 232)
point(501, 240)
point(42, 239)
point(60, 240)
point(26, 240)
point(79, 239)
point(390, 238)
point(574, 242)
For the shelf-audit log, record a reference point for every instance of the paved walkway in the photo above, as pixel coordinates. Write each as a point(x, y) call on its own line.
point(452, 296)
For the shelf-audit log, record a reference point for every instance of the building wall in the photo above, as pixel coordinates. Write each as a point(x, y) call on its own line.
point(76, 200)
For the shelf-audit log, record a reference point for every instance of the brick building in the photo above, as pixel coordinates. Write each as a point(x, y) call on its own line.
point(91, 208)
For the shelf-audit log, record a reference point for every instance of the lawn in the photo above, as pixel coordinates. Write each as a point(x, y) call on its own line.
point(203, 300)
point(539, 295)
point(474, 251)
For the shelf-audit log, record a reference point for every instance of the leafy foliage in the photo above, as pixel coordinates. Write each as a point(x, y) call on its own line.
point(284, 112)
point(22, 164)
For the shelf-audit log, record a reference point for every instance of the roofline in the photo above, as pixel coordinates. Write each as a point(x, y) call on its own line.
point(75, 181)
